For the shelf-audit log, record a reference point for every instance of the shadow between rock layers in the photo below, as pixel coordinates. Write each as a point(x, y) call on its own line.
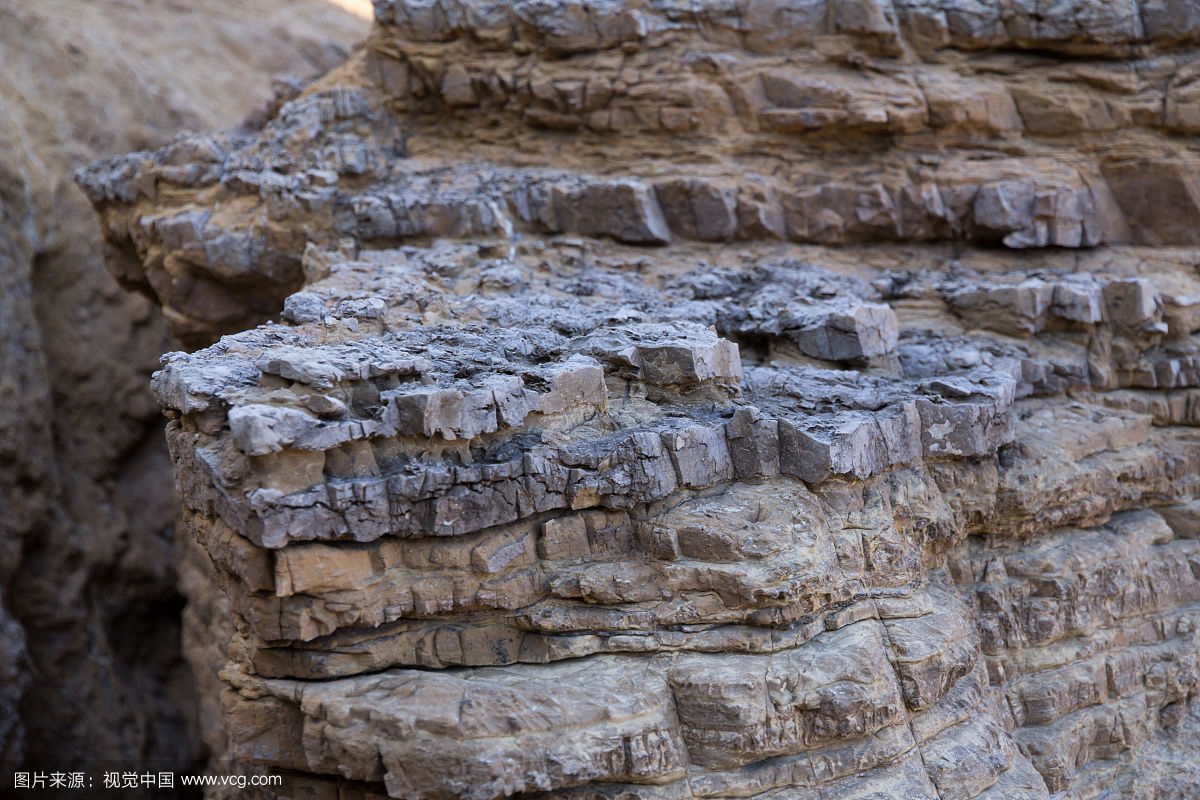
point(680, 400)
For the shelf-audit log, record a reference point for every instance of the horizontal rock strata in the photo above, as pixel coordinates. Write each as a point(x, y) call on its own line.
point(708, 400)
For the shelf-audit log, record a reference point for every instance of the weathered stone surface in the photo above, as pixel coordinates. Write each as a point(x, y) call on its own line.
point(694, 400)
point(389, 483)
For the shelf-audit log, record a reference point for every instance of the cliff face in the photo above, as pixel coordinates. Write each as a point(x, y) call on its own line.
point(714, 399)
point(90, 666)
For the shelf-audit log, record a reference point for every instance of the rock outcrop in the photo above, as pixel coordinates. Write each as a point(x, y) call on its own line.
point(90, 662)
point(675, 400)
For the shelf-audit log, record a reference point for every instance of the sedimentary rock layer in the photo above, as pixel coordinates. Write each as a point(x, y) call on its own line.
point(707, 400)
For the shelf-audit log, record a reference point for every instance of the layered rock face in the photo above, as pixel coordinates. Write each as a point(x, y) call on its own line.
point(90, 664)
point(694, 400)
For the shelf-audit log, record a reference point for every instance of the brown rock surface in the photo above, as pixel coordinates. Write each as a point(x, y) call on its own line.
point(90, 666)
point(681, 400)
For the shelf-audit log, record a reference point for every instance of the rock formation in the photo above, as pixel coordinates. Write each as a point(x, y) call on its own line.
point(708, 399)
point(90, 665)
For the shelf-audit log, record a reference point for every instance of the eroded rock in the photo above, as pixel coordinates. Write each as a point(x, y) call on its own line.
point(665, 411)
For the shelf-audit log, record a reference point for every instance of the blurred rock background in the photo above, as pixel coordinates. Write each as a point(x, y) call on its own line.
point(90, 667)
